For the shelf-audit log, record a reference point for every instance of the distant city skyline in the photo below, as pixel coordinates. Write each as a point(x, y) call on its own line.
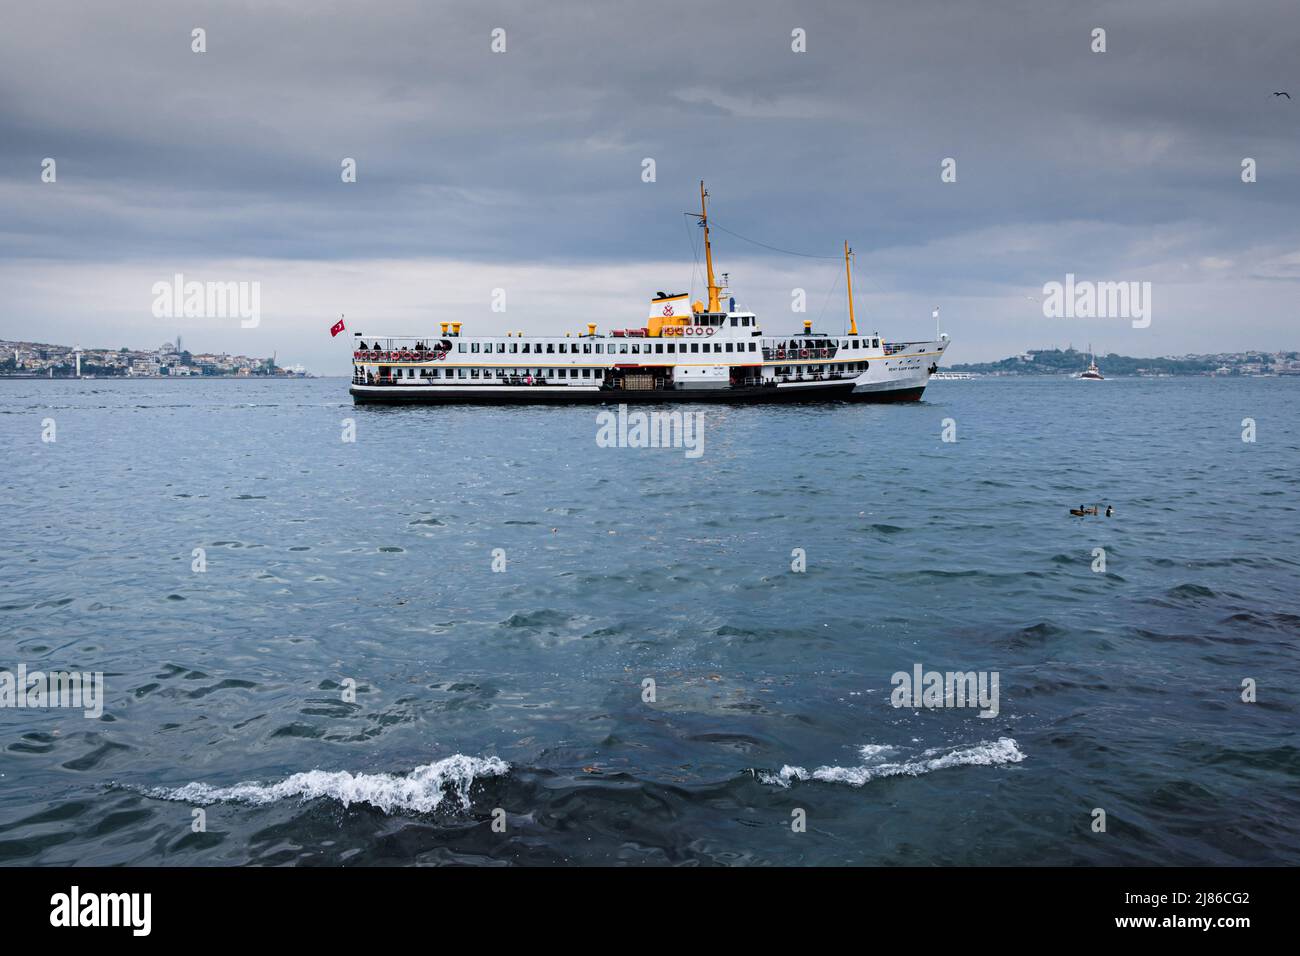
point(523, 170)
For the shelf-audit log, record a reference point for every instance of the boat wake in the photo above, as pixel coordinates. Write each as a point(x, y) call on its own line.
point(423, 790)
point(875, 764)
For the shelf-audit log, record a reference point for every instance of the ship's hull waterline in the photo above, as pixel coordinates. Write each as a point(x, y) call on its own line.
point(561, 395)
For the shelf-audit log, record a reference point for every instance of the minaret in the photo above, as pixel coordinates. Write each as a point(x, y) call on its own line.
point(76, 353)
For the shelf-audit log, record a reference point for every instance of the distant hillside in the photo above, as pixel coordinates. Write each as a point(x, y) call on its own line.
point(1069, 361)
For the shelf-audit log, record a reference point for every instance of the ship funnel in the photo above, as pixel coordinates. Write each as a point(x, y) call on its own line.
point(444, 328)
point(807, 326)
point(668, 310)
point(591, 328)
point(455, 328)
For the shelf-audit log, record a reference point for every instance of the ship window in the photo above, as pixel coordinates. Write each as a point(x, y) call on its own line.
point(460, 373)
point(473, 347)
point(622, 348)
point(501, 346)
point(525, 348)
point(735, 322)
point(695, 346)
point(473, 373)
point(550, 347)
point(586, 373)
point(461, 347)
point(659, 348)
point(728, 346)
point(586, 347)
point(514, 346)
point(598, 373)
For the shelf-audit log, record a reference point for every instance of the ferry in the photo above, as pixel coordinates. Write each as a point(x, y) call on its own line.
point(683, 351)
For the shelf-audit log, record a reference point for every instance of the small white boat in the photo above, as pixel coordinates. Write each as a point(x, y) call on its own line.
point(1092, 373)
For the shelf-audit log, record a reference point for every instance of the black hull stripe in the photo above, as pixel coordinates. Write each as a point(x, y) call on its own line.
point(729, 396)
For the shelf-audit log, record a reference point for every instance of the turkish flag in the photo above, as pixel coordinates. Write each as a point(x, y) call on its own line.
point(336, 328)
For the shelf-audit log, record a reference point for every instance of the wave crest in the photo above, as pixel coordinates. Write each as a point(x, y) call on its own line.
point(422, 790)
point(1004, 750)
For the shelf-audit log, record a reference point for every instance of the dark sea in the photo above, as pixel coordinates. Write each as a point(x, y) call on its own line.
point(305, 638)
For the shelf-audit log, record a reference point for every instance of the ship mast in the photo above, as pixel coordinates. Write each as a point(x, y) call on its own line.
point(714, 288)
point(848, 277)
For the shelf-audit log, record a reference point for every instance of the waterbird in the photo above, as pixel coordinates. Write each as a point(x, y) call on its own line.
point(1282, 93)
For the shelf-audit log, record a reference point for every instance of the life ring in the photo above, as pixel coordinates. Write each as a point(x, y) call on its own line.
point(710, 330)
point(780, 353)
point(803, 353)
point(690, 330)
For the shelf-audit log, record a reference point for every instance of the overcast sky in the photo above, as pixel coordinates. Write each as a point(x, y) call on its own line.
point(522, 170)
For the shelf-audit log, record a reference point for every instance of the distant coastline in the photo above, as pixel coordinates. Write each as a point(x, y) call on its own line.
point(1070, 361)
point(29, 360)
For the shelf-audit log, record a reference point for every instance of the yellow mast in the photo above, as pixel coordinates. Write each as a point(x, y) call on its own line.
point(714, 288)
point(848, 276)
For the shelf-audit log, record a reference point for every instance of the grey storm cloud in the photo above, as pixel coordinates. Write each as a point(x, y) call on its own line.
point(1067, 159)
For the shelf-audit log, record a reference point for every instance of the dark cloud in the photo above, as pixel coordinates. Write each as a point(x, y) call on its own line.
point(535, 155)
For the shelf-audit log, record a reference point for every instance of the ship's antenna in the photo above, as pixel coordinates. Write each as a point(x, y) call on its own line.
point(848, 278)
point(703, 216)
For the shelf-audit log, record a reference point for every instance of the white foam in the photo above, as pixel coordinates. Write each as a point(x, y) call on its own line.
point(1004, 750)
point(422, 790)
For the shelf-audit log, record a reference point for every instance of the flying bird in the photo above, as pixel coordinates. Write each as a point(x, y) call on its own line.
point(1282, 93)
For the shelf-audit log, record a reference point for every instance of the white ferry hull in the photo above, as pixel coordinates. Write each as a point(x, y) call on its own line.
point(895, 374)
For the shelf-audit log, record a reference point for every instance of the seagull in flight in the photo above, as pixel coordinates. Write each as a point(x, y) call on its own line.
point(1282, 93)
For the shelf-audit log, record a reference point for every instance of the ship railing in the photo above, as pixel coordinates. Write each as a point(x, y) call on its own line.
point(818, 377)
point(784, 354)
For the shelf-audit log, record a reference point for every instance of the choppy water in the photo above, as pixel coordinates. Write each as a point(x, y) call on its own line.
point(522, 690)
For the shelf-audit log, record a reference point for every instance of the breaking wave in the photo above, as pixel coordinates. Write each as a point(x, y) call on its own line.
point(988, 754)
point(422, 790)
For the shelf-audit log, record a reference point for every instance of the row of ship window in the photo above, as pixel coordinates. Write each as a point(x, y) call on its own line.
point(573, 373)
point(619, 348)
point(470, 373)
point(653, 348)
